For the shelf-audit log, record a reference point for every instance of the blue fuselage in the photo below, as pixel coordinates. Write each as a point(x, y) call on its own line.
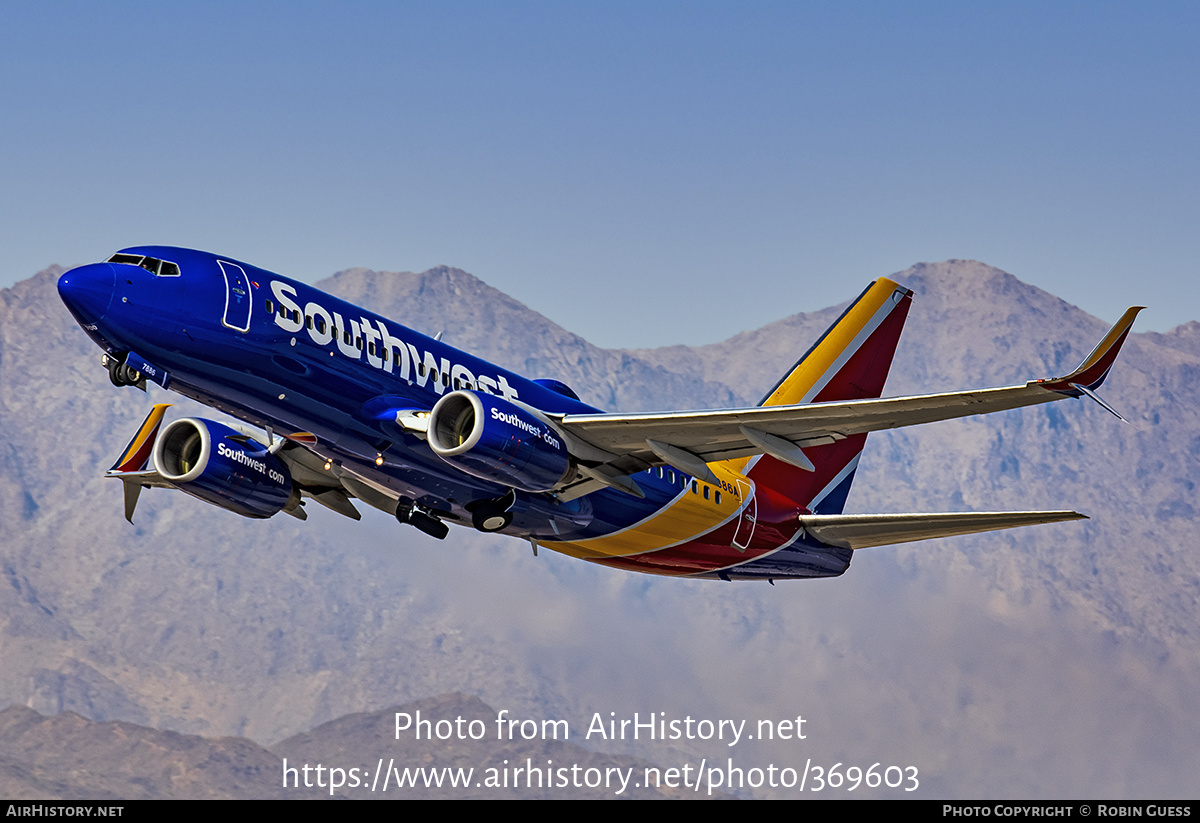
point(278, 353)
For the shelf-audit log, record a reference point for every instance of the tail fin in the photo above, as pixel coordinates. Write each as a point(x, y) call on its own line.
point(849, 362)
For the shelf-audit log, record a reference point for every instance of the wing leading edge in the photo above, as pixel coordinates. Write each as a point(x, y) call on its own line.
point(780, 430)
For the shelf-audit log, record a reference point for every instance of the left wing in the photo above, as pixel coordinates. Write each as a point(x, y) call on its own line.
point(690, 439)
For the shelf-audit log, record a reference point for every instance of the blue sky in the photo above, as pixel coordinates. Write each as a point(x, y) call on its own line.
point(642, 173)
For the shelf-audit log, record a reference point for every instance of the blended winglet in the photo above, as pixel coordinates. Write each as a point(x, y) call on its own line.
point(135, 457)
point(1094, 368)
point(136, 454)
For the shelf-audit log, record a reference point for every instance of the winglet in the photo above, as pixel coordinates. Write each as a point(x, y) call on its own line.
point(131, 465)
point(1094, 368)
point(136, 454)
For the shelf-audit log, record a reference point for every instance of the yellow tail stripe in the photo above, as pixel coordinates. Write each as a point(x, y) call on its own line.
point(802, 384)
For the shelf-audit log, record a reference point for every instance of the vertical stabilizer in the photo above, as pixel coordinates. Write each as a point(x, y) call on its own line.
point(849, 362)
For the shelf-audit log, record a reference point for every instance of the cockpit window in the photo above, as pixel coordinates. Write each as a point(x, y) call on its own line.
point(159, 268)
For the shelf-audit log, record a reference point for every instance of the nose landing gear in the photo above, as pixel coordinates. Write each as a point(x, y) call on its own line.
point(120, 374)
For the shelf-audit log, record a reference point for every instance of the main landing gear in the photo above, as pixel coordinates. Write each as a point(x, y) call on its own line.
point(493, 514)
point(407, 511)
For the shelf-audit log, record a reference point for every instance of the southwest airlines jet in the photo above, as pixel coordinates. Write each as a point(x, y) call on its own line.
point(350, 406)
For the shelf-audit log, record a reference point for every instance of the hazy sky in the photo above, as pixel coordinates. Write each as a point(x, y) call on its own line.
point(642, 173)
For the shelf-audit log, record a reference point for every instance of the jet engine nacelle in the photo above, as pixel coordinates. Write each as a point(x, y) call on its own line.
point(202, 458)
point(490, 438)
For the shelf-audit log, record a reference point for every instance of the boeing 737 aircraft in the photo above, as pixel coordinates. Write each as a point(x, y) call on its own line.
point(348, 405)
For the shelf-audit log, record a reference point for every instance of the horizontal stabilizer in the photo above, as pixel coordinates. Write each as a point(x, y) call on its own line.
point(865, 531)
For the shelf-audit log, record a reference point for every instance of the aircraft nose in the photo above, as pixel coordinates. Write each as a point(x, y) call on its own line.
point(87, 291)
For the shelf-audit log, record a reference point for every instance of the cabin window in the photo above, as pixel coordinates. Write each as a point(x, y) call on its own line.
point(308, 322)
point(320, 324)
point(358, 344)
point(706, 492)
point(693, 487)
point(270, 307)
point(718, 498)
point(421, 370)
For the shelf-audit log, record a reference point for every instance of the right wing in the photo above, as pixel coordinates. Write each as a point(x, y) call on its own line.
point(308, 471)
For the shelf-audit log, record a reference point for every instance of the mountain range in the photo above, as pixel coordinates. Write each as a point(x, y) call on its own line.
point(1044, 662)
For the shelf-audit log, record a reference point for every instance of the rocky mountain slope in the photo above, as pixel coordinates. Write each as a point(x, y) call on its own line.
point(68, 757)
point(1048, 661)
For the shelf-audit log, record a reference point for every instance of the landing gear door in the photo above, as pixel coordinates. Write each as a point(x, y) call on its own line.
point(748, 517)
point(237, 297)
